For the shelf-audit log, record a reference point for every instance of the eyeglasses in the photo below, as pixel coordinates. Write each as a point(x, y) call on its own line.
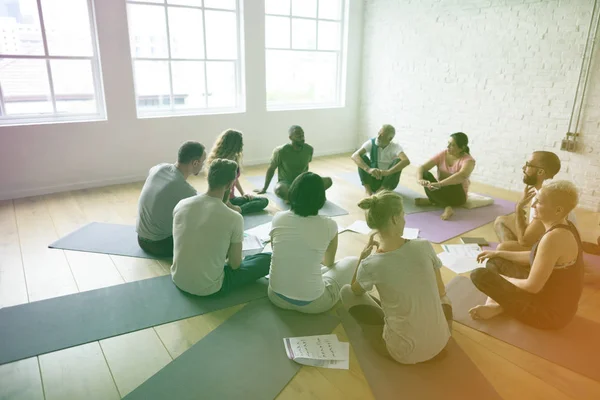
point(527, 165)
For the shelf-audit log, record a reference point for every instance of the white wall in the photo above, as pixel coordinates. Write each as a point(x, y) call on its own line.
point(502, 71)
point(37, 159)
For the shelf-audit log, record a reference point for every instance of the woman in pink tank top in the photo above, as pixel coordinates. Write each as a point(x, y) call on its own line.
point(454, 167)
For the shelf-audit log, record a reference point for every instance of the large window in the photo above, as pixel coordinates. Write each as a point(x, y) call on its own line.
point(304, 57)
point(49, 68)
point(186, 56)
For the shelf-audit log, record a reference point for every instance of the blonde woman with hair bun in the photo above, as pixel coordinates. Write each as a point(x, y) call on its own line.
point(412, 322)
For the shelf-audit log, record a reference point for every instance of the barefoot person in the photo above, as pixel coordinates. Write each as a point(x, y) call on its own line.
point(290, 160)
point(165, 186)
point(304, 275)
point(517, 232)
point(540, 287)
point(208, 239)
point(380, 161)
point(229, 145)
point(413, 320)
point(454, 167)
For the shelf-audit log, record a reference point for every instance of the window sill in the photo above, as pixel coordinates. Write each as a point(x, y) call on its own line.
point(188, 113)
point(53, 120)
point(301, 107)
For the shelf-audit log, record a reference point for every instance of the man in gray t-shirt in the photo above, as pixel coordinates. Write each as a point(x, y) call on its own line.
point(166, 186)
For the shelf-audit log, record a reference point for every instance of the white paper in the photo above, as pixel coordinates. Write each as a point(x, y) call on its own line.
point(458, 264)
point(268, 248)
point(410, 233)
point(261, 232)
point(251, 242)
point(318, 351)
point(470, 250)
point(358, 227)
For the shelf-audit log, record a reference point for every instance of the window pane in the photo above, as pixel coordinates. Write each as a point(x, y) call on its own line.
point(197, 3)
point(73, 82)
point(147, 31)
point(224, 4)
point(329, 35)
point(221, 84)
point(304, 8)
point(277, 32)
point(152, 84)
point(304, 34)
point(186, 33)
point(330, 9)
point(67, 27)
point(221, 35)
point(20, 31)
point(188, 84)
point(25, 86)
point(281, 7)
point(301, 77)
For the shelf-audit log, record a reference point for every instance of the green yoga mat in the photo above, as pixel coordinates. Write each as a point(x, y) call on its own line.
point(45, 326)
point(244, 358)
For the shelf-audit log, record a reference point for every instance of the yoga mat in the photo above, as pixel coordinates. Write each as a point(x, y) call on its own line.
point(121, 240)
point(244, 358)
point(45, 326)
point(434, 229)
point(330, 209)
point(408, 195)
point(575, 347)
point(452, 376)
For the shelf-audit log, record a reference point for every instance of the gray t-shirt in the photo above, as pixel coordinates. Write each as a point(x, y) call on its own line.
point(415, 326)
point(164, 188)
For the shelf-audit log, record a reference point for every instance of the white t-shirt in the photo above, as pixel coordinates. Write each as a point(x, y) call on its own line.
point(571, 217)
point(415, 326)
point(163, 189)
point(384, 156)
point(299, 245)
point(203, 229)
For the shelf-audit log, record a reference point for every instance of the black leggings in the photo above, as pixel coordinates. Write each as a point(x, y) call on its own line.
point(518, 303)
point(452, 195)
point(160, 248)
point(389, 182)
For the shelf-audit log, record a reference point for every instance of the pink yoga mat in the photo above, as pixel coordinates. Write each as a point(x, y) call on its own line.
point(576, 347)
point(434, 229)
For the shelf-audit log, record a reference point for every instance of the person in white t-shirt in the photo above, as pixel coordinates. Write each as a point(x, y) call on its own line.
point(517, 232)
point(412, 322)
point(208, 237)
point(380, 161)
point(165, 186)
point(303, 275)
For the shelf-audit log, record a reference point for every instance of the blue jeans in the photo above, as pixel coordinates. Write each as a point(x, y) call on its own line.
point(252, 268)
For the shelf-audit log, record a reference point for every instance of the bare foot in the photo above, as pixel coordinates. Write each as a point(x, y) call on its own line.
point(486, 311)
point(422, 202)
point(448, 212)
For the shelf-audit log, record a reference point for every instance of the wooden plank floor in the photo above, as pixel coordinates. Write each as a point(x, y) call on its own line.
point(111, 368)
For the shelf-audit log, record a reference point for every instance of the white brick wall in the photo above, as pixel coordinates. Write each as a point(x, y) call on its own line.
point(502, 71)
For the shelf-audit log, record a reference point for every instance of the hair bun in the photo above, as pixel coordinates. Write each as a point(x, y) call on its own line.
point(368, 203)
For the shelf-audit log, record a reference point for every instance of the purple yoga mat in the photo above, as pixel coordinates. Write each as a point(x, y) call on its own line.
point(434, 229)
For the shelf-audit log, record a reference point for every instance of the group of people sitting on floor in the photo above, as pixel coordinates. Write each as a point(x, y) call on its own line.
point(535, 275)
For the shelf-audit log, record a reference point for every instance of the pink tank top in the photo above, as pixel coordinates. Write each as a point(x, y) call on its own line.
point(444, 170)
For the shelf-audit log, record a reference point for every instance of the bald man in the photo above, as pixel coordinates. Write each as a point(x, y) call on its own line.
point(519, 232)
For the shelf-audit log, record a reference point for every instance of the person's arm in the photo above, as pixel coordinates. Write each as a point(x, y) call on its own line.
point(356, 287)
point(329, 257)
point(519, 257)
point(458, 177)
point(234, 255)
point(270, 171)
point(238, 186)
point(426, 167)
point(356, 157)
point(522, 226)
point(549, 251)
point(404, 162)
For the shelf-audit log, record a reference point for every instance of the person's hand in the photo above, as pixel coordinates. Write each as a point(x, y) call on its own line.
point(249, 196)
point(384, 172)
point(259, 191)
point(375, 173)
point(370, 245)
point(433, 185)
point(486, 254)
point(528, 194)
point(423, 182)
point(236, 208)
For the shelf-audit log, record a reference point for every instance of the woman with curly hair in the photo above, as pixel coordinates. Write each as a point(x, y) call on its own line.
point(229, 145)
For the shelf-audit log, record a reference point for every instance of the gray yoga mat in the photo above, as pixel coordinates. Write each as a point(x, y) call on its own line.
point(244, 358)
point(575, 347)
point(330, 209)
point(452, 376)
point(408, 195)
point(45, 326)
point(121, 240)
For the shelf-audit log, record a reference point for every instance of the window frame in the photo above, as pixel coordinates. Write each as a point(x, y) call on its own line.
point(339, 101)
point(238, 63)
point(56, 116)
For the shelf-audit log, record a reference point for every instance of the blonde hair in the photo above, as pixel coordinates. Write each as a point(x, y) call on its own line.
point(381, 207)
point(562, 193)
point(229, 145)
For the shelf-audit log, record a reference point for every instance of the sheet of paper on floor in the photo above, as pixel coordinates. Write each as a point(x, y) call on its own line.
point(251, 242)
point(318, 351)
point(462, 250)
point(458, 264)
point(261, 231)
point(357, 226)
point(410, 233)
